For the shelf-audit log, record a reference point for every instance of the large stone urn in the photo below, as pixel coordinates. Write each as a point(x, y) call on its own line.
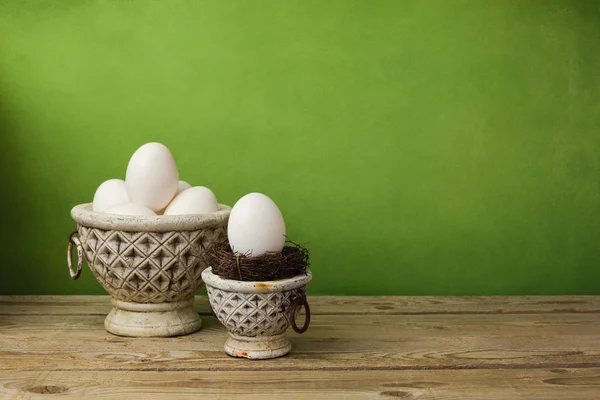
point(150, 265)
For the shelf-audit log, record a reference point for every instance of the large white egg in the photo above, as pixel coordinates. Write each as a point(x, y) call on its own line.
point(129, 209)
point(255, 226)
point(183, 185)
point(152, 178)
point(109, 193)
point(196, 200)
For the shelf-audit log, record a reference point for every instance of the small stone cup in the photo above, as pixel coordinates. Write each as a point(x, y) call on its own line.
point(257, 314)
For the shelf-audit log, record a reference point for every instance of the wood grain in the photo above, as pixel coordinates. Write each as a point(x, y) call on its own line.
point(559, 384)
point(357, 347)
point(327, 305)
point(333, 342)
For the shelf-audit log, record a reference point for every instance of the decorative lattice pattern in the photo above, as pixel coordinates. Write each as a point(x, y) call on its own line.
point(148, 267)
point(253, 314)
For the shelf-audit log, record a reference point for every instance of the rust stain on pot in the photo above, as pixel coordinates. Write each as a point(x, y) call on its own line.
point(262, 286)
point(240, 353)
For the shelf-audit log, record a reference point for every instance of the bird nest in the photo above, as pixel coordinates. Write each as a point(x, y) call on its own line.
point(293, 260)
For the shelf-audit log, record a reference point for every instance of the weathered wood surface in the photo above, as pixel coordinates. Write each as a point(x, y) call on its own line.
point(333, 342)
point(357, 347)
point(530, 384)
point(401, 305)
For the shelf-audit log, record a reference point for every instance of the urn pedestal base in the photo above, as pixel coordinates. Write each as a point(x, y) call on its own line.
point(258, 347)
point(152, 320)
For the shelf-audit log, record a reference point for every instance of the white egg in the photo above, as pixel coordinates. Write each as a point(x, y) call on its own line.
point(255, 226)
point(129, 209)
point(183, 185)
point(196, 200)
point(110, 192)
point(152, 178)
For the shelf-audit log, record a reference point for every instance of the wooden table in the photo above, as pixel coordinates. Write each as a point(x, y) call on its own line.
point(356, 347)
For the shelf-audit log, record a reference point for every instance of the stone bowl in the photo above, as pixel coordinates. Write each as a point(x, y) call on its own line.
point(257, 314)
point(151, 266)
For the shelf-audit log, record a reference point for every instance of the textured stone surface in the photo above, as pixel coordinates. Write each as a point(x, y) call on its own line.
point(150, 269)
point(153, 320)
point(83, 214)
point(256, 314)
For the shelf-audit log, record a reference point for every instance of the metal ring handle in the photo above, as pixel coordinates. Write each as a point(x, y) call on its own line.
point(299, 302)
point(74, 241)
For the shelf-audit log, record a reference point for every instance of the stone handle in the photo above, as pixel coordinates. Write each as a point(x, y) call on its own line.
point(74, 241)
point(299, 302)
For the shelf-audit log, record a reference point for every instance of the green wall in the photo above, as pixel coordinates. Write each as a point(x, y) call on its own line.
point(417, 147)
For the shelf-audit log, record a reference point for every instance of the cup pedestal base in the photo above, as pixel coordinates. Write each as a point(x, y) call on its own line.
point(259, 347)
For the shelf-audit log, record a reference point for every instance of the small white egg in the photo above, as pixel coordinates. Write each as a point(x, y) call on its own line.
point(195, 200)
point(183, 185)
point(152, 178)
point(109, 193)
point(130, 209)
point(256, 226)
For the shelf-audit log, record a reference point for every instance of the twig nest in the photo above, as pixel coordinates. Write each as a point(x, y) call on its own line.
point(293, 260)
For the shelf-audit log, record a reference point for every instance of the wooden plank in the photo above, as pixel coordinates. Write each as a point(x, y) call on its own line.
point(334, 342)
point(358, 347)
point(547, 384)
point(326, 305)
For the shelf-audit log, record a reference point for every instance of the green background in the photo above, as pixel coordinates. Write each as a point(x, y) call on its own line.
point(416, 147)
